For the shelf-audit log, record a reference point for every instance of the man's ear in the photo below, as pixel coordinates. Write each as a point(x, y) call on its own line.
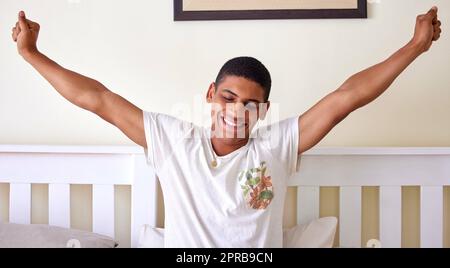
point(263, 108)
point(210, 93)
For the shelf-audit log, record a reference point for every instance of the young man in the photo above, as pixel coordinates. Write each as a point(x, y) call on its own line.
point(221, 187)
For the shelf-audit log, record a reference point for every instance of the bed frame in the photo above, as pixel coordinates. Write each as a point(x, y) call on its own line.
point(348, 168)
point(60, 166)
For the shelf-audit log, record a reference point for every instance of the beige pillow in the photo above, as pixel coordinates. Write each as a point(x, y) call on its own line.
point(316, 234)
point(45, 236)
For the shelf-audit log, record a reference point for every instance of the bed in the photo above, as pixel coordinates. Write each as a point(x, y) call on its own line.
point(350, 169)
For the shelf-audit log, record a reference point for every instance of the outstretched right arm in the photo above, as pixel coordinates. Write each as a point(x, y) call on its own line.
point(82, 91)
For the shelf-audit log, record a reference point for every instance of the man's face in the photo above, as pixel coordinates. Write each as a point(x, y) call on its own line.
point(237, 104)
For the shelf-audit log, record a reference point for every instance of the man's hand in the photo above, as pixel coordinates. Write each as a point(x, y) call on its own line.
point(428, 29)
point(25, 33)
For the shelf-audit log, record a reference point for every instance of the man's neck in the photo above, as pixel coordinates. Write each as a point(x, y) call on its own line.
point(223, 146)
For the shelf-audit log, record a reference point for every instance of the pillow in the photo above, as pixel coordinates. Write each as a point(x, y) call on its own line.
point(45, 236)
point(315, 234)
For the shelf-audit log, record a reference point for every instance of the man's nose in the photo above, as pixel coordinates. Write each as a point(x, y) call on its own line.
point(237, 110)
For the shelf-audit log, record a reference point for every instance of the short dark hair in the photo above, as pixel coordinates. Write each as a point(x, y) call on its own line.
point(249, 68)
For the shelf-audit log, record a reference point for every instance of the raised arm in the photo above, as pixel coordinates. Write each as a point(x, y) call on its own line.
point(364, 87)
point(80, 90)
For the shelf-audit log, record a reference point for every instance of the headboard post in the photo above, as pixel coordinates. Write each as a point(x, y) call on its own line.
point(143, 197)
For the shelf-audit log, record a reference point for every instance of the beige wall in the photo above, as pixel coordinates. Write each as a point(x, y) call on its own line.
point(137, 50)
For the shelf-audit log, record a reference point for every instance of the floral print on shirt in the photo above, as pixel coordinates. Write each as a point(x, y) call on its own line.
point(256, 186)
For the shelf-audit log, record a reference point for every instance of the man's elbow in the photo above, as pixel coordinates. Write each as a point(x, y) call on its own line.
point(347, 102)
point(92, 99)
point(356, 95)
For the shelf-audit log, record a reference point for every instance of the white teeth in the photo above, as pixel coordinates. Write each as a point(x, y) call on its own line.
point(231, 123)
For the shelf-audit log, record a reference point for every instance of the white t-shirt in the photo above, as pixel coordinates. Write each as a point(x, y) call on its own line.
point(237, 203)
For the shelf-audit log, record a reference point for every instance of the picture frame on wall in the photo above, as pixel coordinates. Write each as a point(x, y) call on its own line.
point(185, 10)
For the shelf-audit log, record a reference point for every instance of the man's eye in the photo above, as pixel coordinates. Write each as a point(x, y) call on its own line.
point(228, 99)
point(251, 106)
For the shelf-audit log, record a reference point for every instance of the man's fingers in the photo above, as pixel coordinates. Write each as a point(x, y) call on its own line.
point(433, 11)
point(33, 25)
point(17, 27)
point(23, 21)
point(432, 14)
point(25, 24)
point(437, 34)
point(14, 33)
point(437, 28)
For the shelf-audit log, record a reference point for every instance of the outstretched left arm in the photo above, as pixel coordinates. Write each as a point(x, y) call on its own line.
point(364, 87)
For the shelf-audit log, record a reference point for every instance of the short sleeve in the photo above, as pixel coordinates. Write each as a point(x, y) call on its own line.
point(282, 140)
point(162, 133)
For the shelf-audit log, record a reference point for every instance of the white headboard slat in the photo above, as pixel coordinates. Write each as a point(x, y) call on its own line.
point(144, 198)
point(59, 204)
point(431, 222)
point(103, 209)
point(391, 216)
point(20, 203)
point(350, 216)
point(307, 204)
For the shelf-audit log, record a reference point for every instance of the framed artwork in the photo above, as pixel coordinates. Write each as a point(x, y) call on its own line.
point(268, 9)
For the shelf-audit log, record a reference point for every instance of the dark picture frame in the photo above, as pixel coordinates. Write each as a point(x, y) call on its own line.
point(182, 15)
